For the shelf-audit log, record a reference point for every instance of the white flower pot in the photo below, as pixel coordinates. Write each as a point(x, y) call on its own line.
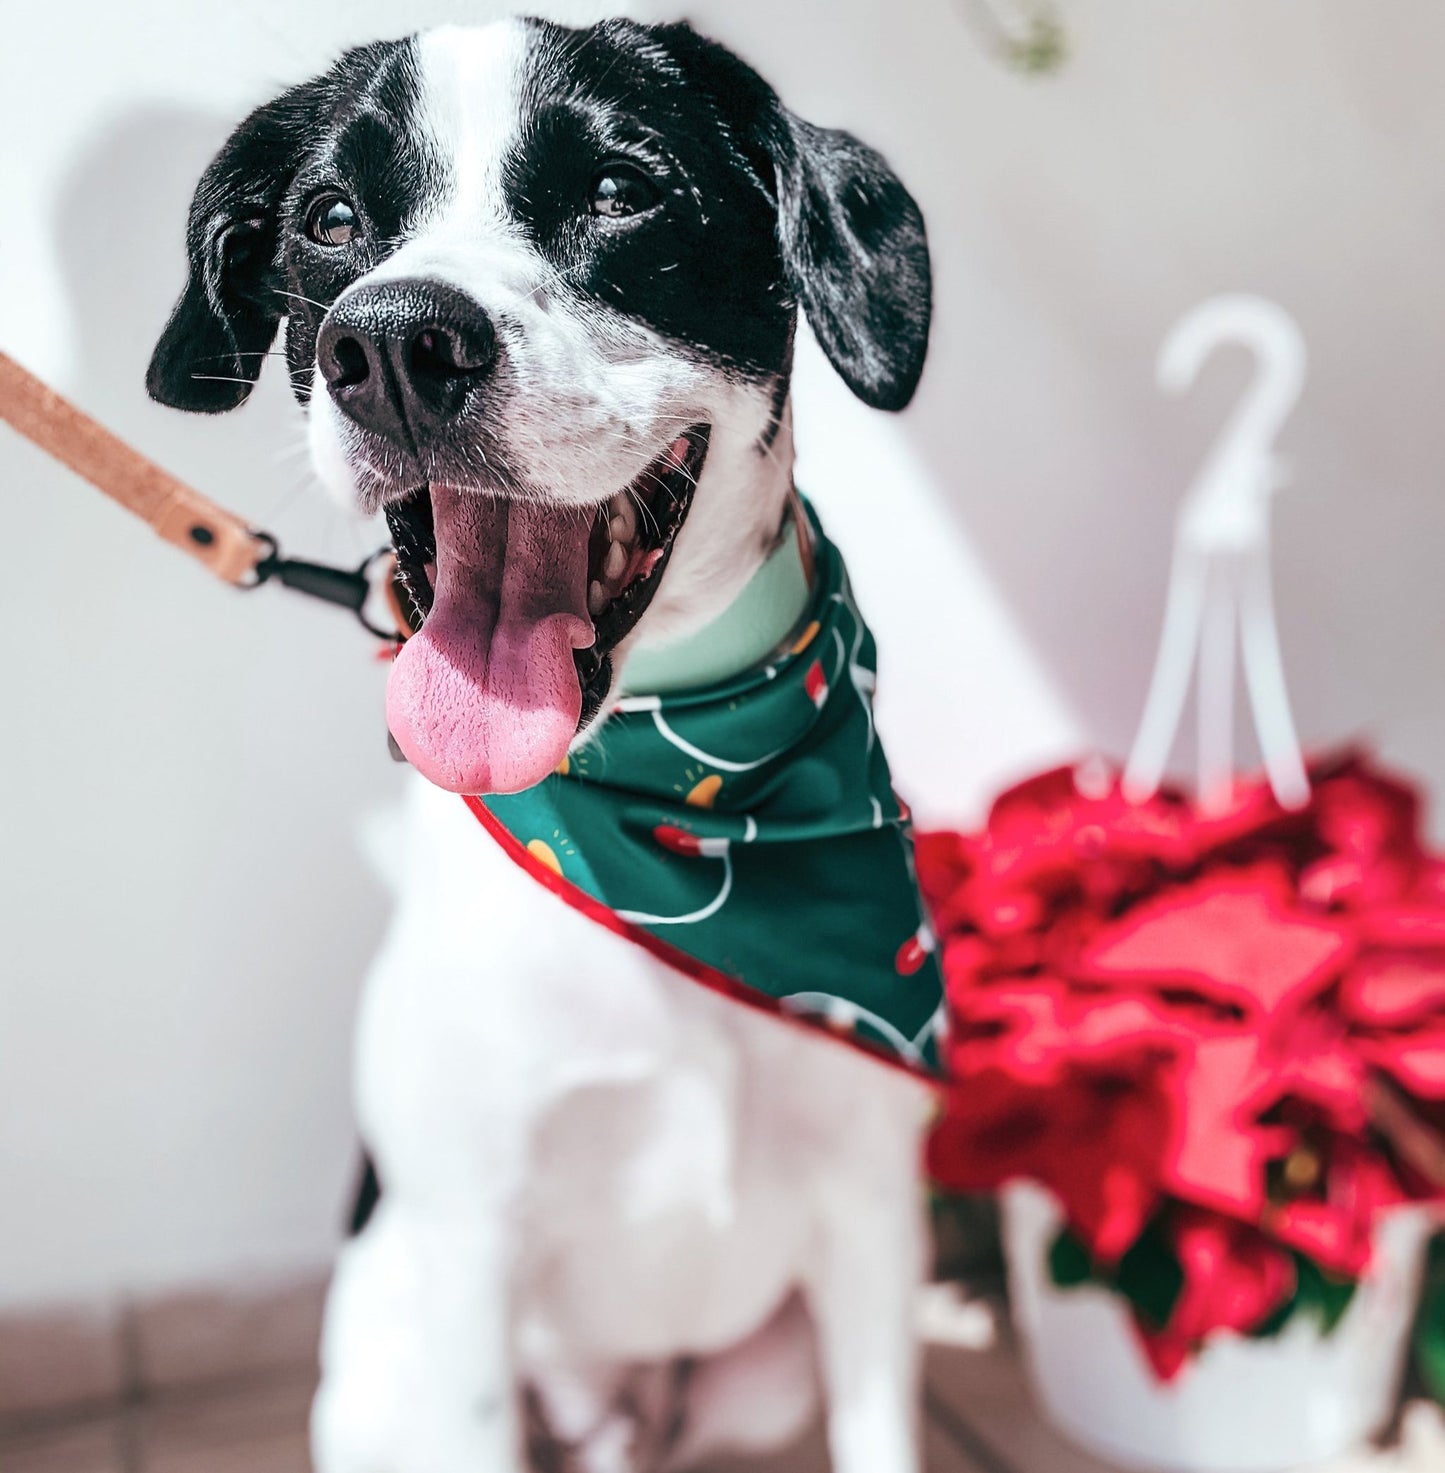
point(1243, 1406)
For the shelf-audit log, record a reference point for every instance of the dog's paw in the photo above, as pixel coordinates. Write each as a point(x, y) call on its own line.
point(634, 1431)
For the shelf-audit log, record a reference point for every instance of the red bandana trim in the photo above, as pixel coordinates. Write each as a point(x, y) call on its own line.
point(673, 956)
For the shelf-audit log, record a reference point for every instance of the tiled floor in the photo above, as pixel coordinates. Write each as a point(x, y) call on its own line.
point(261, 1429)
point(231, 1429)
point(175, 1416)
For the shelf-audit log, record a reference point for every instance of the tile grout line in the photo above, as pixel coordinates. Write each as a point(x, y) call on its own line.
point(969, 1442)
point(132, 1391)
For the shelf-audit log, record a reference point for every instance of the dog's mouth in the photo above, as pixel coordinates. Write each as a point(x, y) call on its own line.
point(519, 606)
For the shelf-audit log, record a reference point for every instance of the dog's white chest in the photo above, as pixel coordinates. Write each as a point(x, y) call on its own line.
point(664, 1127)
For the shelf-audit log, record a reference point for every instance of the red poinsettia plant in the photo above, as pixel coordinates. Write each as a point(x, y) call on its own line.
point(1218, 1038)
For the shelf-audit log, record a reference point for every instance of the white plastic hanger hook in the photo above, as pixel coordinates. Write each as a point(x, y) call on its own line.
point(1220, 579)
point(1254, 322)
point(1228, 505)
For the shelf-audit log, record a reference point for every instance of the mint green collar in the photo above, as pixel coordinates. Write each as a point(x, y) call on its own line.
point(751, 628)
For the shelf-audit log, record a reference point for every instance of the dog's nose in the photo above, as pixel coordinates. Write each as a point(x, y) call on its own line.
point(402, 357)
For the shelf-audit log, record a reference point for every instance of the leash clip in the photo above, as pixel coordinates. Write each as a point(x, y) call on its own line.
point(343, 587)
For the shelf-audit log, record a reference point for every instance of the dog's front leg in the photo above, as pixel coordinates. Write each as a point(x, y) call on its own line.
point(862, 1288)
point(417, 1363)
point(466, 1418)
point(863, 1307)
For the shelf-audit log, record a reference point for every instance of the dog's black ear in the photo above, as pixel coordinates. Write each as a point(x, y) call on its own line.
point(853, 242)
point(211, 351)
point(856, 255)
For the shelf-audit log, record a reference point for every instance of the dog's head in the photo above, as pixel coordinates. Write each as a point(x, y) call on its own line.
point(540, 287)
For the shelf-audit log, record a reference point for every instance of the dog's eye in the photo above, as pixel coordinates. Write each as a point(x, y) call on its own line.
point(332, 222)
point(622, 189)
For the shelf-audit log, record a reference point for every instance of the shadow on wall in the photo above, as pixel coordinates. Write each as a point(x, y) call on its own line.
point(119, 235)
point(1071, 234)
point(1081, 559)
point(193, 919)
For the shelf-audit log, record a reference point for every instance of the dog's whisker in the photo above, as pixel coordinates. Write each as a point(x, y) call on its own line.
point(231, 357)
point(645, 510)
point(290, 494)
point(299, 297)
point(553, 277)
point(549, 278)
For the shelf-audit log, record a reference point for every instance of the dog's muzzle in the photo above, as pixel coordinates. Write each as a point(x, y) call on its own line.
point(519, 604)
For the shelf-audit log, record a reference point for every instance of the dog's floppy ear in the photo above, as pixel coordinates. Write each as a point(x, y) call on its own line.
point(852, 238)
point(211, 351)
point(856, 256)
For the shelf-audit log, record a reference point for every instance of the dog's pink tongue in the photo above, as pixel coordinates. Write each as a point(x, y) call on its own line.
point(485, 698)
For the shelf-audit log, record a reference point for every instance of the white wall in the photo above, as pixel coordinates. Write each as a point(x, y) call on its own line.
point(184, 911)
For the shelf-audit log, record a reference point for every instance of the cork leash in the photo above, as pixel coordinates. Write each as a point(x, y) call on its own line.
point(222, 542)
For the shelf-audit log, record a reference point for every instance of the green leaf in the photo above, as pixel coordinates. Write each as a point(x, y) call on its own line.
point(1069, 1262)
point(1321, 1294)
point(1430, 1327)
point(1150, 1278)
point(1316, 1293)
point(1339, 1295)
point(1274, 1322)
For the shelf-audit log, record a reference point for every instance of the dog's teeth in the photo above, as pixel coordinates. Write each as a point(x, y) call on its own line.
point(616, 562)
point(596, 599)
point(624, 518)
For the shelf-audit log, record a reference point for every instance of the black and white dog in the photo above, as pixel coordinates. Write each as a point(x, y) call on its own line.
point(540, 289)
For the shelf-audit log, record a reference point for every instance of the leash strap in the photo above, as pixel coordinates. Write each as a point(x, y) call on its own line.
point(216, 538)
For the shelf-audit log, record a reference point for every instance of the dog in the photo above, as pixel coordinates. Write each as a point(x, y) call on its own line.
point(538, 283)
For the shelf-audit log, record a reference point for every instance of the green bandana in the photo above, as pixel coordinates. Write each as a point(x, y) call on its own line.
point(748, 830)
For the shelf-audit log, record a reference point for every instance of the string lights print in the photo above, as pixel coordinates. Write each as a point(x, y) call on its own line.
point(752, 826)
